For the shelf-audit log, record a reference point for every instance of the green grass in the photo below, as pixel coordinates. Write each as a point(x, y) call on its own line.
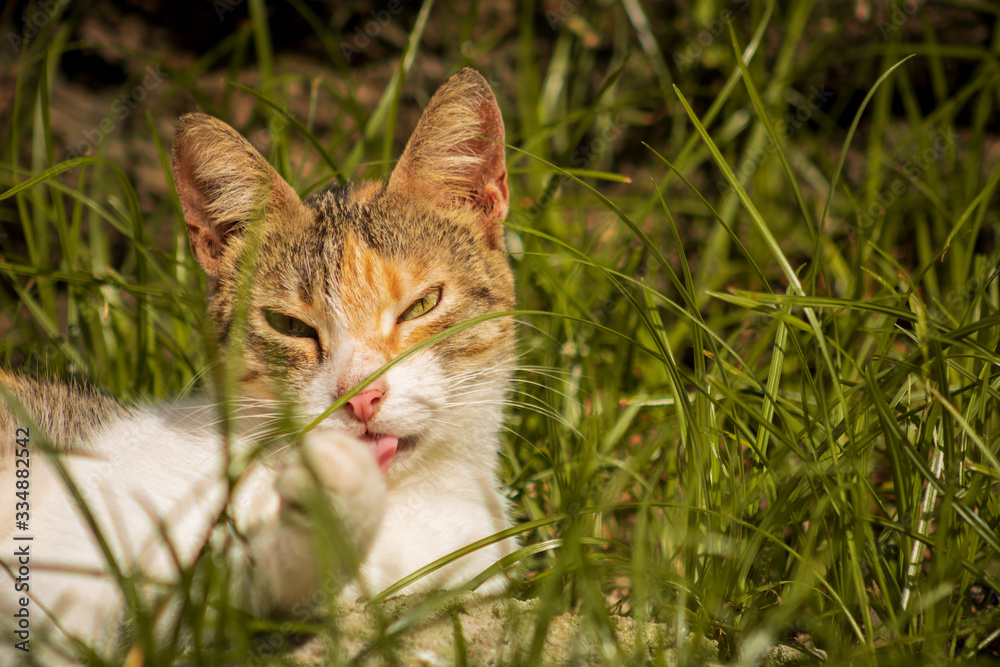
point(758, 390)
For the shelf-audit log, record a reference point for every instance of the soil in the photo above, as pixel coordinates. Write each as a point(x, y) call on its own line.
point(501, 631)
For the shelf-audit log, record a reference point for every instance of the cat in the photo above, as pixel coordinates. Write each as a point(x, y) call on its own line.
point(337, 285)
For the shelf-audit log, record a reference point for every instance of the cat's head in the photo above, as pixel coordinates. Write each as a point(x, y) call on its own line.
point(352, 277)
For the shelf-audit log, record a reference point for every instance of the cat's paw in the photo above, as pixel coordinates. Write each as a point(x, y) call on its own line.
point(332, 498)
point(346, 473)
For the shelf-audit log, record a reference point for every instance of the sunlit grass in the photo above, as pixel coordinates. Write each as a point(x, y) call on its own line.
point(763, 398)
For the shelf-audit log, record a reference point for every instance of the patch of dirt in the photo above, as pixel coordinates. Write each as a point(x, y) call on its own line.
point(500, 631)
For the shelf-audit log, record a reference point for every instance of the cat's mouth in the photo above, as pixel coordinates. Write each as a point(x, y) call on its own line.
point(386, 447)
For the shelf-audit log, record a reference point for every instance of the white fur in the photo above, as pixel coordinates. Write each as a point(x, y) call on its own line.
point(169, 463)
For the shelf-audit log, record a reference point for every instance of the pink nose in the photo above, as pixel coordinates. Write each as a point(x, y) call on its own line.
point(364, 404)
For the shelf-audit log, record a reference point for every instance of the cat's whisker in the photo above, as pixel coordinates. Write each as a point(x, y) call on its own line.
point(196, 378)
point(439, 421)
point(221, 419)
point(470, 389)
point(562, 394)
point(456, 399)
point(519, 372)
point(505, 402)
point(240, 405)
point(279, 450)
point(539, 408)
point(474, 387)
point(553, 374)
point(537, 399)
point(533, 445)
point(502, 370)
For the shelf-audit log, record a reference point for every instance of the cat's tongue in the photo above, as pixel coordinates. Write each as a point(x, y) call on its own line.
point(385, 448)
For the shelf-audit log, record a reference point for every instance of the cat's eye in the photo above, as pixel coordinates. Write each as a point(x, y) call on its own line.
point(421, 306)
point(288, 325)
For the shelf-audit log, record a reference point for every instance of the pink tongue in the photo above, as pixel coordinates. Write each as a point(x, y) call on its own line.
point(385, 449)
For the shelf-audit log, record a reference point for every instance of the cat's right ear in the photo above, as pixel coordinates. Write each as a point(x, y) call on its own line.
point(223, 183)
point(455, 157)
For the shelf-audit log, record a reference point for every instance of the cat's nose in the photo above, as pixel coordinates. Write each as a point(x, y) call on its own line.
point(364, 404)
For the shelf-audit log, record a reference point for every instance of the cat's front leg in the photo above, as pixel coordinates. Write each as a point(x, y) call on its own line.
point(332, 498)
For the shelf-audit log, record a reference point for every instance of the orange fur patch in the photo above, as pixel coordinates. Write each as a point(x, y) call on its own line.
point(376, 289)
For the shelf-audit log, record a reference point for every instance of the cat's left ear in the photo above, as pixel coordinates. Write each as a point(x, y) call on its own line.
point(453, 157)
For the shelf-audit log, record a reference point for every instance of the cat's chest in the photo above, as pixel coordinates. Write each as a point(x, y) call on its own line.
point(430, 517)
